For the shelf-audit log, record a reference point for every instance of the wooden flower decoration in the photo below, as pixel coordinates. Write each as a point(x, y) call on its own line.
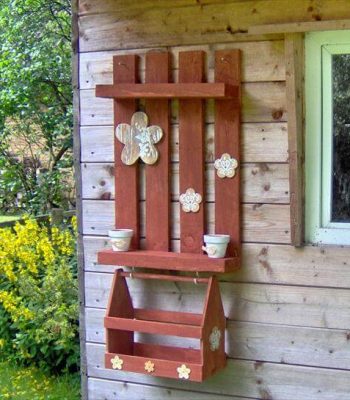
point(183, 371)
point(226, 166)
point(117, 363)
point(139, 139)
point(149, 366)
point(190, 200)
point(214, 338)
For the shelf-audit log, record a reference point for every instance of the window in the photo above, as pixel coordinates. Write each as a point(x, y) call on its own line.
point(327, 144)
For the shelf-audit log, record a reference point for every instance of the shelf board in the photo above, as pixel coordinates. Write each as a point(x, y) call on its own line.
point(168, 91)
point(168, 261)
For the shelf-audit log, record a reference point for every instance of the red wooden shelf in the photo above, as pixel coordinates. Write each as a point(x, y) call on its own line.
point(122, 320)
point(168, 91)
point(168, 260)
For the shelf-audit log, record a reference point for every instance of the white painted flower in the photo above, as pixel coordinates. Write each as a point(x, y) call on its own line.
point(226, 166)
point(214, 338)
point(139, 139)
point(117, 363)
point(149, 366)
point(190, 200)
point(183, 371)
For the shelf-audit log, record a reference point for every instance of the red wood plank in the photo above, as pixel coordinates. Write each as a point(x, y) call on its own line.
point(119, 304)
point(163, 367)
point(168, 316)
point(153, 327)
point(158, 175)
point(191, 151)
point(227, 140)
point(165, 260)
point(126, 177)
point(167, 90)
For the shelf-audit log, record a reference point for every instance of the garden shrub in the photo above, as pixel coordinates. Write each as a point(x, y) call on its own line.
point(39, 295)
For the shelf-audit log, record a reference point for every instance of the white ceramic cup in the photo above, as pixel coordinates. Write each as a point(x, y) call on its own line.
point(216, 245)
point(120, 239)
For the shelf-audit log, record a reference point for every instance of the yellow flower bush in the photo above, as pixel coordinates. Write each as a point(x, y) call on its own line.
point(39, 295)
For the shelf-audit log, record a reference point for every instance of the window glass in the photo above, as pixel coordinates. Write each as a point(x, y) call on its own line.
point(340, 211)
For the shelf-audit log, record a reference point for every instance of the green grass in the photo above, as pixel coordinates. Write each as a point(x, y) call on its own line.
point(5, 218)
point(18, 383)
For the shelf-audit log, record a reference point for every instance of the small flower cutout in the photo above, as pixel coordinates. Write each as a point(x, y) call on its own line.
point(214, 339)
point(117, 363)
point(183, 371)
point(139, 139)
point(149, 366)
point(226, 166)
point(190, 200)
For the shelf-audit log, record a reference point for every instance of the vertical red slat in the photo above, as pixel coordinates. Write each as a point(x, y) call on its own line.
point(157, 175)
point(227, 140)
point(126, 177)
point(191, 151)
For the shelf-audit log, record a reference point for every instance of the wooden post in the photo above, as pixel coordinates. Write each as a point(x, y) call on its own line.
point(294, 54)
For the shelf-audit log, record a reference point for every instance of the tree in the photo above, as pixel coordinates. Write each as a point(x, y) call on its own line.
point(35, 103)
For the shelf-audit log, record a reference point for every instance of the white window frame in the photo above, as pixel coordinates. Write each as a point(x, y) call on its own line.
point(319, 48)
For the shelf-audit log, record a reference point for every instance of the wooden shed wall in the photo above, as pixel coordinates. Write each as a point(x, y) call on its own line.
point(289, 323)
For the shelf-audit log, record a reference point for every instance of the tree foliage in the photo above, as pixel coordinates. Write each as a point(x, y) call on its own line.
point(35, 102)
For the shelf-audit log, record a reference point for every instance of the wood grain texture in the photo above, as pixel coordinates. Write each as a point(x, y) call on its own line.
point(261, 182)
point(261, 102)
point(227, 141)
point(266, 223)
point(327, 348)
point(191, 152)
point(117, 390)
point(260, 142)
point(267, 263)
point(261, 62)
point(158, 175)
point(223, 22)
point(263, 303)
point(252, 379)
point(294, 49)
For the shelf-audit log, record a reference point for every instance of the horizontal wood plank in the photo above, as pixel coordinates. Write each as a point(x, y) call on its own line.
point(261, 102)
point(127, 27)
point(261, 222)
point(328, 348)
point(325, 266)
point(168, 91)
point(115, 390)
point(269, 304)
point(261, 183)
point(168, 260)
point(261, 62)
point(261, 142)
point(259, 380)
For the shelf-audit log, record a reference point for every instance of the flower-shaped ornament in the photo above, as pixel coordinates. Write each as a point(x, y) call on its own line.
point(139, 140)
point(214, 339)
point(117, 363)
point(183, 371)
point(226, 166)
point(190, 200)
point(149, 366)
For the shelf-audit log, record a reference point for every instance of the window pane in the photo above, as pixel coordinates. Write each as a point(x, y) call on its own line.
point(341, 138)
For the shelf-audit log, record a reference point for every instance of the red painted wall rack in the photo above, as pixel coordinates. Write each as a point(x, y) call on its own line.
point(122, 320)
point(191, 90)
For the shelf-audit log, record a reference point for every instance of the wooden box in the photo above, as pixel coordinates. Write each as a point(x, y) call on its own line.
point(122, 320)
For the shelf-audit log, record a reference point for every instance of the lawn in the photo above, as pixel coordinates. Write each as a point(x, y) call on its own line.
point(17, 383)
